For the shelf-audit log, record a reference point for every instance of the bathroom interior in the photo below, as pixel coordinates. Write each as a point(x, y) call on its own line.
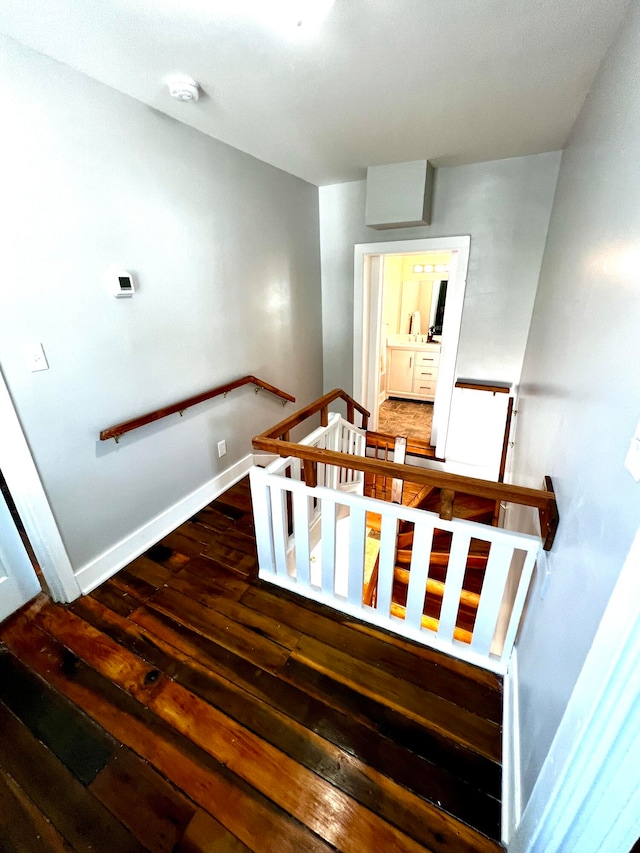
point(413, 303)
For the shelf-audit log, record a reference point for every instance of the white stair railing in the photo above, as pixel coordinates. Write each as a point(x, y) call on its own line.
point(313, 541)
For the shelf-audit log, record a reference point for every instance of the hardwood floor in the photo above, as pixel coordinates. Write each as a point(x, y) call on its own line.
point(184, 706)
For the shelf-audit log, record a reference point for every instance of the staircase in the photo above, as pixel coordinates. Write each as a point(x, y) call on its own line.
point(429, 498)
point(441, 573)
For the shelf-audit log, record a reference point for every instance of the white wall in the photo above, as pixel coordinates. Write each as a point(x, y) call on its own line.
point(505, 206)
point(226, 251)
point(580, 395)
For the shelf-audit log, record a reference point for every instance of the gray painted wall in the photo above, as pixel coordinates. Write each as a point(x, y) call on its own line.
point(505, 206)
point(580, 395)
point(226, 251)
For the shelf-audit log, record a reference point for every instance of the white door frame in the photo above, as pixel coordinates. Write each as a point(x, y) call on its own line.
point(587, 796)
point(31, 501)
point(18, 580)
point(367, 307)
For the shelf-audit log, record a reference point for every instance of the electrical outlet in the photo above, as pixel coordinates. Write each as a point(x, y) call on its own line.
point(222, 448)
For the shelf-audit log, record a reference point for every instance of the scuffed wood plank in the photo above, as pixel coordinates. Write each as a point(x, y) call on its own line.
point(207, 835)
point(73, 738)
point(229, 556)
point(206, 584)
point(251, 817)
point(407, 733)
point(326, 810)
point(23, 827)
point(77, 815)
point(432, 711)
point(150, 571)
point(430, 671)
point(114, 598)
point(151, 809)
point(272, 629)
point(407, 753)
point(251, 700)
point(215, 626)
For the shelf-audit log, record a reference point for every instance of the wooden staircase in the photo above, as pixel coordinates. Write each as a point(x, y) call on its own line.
point(429, 498)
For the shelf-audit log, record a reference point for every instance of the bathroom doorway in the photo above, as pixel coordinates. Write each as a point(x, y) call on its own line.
point(408, 298)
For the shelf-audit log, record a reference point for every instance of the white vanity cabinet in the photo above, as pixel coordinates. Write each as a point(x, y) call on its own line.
point(401, 363)
point(413, 374)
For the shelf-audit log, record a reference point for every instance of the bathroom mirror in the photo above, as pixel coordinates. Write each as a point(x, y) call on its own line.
point(426, 297)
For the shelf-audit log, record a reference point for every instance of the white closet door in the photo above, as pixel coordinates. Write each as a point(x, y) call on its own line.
point(18, 581)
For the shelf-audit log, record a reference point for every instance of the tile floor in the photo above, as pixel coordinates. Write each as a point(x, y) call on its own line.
point(402, 417)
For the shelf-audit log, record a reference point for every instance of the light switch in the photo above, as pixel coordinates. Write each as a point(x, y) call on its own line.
point(35, 358)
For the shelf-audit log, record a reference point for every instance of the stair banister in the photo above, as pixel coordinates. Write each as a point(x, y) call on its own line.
point(271, 441)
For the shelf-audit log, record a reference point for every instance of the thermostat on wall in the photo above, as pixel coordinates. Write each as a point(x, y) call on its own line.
point(120, 283)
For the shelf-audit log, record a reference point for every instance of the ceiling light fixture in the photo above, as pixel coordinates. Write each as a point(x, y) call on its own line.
point(183, 88)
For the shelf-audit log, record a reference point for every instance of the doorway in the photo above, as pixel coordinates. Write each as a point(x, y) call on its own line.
point(18, 580)
point(28, 495)
point(409, 294)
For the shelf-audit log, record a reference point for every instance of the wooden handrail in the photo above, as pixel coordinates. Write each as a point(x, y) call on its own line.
point(120, 429)
point(276, 440)
point(493, 387)
point(321, 405)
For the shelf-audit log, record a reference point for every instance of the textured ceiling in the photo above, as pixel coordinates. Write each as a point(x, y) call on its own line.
point(381, 81)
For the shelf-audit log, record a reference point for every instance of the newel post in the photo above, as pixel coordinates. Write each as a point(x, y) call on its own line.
point(447, 497)
point(310, 473)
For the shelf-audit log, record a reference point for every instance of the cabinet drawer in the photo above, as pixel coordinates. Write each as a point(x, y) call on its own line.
point(425, 373)
point(427, 359)
point(424, 389)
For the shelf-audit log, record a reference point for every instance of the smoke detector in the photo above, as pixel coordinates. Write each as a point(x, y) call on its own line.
point(183, 88)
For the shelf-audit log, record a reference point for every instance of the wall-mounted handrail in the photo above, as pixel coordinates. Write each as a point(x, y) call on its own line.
point(276, 440)
point(493, 387)
point(120, 429)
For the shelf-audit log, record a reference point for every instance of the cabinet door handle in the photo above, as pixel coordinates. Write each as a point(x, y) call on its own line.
point(410, 361)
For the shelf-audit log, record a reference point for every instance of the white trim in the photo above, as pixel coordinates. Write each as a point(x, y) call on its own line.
point(511, 778)
point(122, 553)
point(264, 459)
point(586, 797)
point(31, 501)
point(366, 336)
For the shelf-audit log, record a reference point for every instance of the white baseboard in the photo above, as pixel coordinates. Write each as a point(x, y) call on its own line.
point(119, 555)
point(511, 778)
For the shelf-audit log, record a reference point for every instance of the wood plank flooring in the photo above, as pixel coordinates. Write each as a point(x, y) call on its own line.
point(184, 706)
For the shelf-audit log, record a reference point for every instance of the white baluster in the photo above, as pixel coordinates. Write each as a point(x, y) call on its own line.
point(357, 535)
point(453, 586)
point(491, 596)
point(328, 532)
point(261, 501)
point(280, 532)
point(301, 535)
point(386, 564)
point(518, 604)
point(418, 574)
